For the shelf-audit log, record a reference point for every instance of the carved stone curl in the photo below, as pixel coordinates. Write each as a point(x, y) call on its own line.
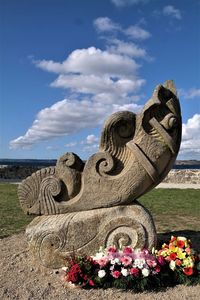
point(53, 238)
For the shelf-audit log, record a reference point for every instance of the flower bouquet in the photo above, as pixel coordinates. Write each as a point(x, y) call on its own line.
point(137, 269)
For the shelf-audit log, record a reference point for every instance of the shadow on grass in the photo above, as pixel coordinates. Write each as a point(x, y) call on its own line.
point(192, 235)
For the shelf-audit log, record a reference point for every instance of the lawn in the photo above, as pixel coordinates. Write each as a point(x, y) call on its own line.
point(172, 210)
point(12, 218)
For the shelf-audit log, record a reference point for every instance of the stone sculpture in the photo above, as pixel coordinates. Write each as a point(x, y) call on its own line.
point(85, 206)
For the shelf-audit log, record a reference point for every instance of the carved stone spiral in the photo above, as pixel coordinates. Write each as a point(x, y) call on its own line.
point(29, 189)
point(170, 121)
point(50, 187)
point(48, 248)
point(128, 233)
point(71, 160)
point(104, 163)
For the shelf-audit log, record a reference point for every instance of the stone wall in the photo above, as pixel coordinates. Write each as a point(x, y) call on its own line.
point(174, 176)
point(183, 176)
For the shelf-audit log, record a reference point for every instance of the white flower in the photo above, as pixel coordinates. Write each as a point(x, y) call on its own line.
point(115, 261)
point(101, 273)
point(181, 238)
point(139, 263)
point(172, 265)
point(124, 272)
point(98, 255)
point(145, 272)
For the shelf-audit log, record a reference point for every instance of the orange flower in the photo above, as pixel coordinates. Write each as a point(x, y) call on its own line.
point(178, 262)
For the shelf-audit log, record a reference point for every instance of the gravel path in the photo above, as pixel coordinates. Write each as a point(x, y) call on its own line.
point(21, 279)
point(164, 185)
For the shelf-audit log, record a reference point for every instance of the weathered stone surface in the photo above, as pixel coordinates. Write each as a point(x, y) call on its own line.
point(136, 153)
point(52, 238)
point(183, 176)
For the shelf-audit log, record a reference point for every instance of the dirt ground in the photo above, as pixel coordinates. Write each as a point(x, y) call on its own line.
point(21, 279)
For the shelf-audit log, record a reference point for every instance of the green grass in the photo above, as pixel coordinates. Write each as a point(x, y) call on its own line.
point(12, 218)
point(172, 209)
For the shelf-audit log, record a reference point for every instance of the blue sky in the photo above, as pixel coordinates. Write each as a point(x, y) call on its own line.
point(67, 65)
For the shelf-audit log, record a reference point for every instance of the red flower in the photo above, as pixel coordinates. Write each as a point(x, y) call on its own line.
point(157, 269)
point(172, 256)
point(188, 271)
point(180, 244)
point(85, 277)
point(116, 274)
point(91, 282)
point(112, 249)
point(128, 250)
point(173, 238)
point(134, 271)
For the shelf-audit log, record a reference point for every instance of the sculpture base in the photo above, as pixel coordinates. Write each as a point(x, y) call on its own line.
point(53, 238)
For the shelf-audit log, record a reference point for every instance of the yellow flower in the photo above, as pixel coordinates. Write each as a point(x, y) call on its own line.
point(180, 254)
point(188, 262)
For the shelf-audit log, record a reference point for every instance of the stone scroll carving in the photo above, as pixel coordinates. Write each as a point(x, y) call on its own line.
point(135, 154)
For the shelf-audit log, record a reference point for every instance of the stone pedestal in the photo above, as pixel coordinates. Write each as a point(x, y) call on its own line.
point(53, 238)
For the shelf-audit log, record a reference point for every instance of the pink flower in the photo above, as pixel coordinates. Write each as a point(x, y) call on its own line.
point(116, 274)
point(188, 250)
point(126, 260)
point(91, 282)
point(151, 263)
point(103, 261)
point(157, 269)
point(128, 250)
point(134, 271)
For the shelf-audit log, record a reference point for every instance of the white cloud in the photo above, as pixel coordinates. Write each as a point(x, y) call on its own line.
point(127, 48)
point(92, 84)
point(90, 139)
point(136, 32)
point(170, 10)
point(190, 146)
point(52, 148)
point(190, 94)
point(63, 118)
point(91, 61)
point(70, 145)
point(105, 24)
point(123, 3)
point(90, 148)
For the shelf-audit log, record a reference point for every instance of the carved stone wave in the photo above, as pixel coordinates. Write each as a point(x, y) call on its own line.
point(53, 238)
point(136, 153)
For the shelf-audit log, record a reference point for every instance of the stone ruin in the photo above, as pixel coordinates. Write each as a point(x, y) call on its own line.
point(82, 206)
